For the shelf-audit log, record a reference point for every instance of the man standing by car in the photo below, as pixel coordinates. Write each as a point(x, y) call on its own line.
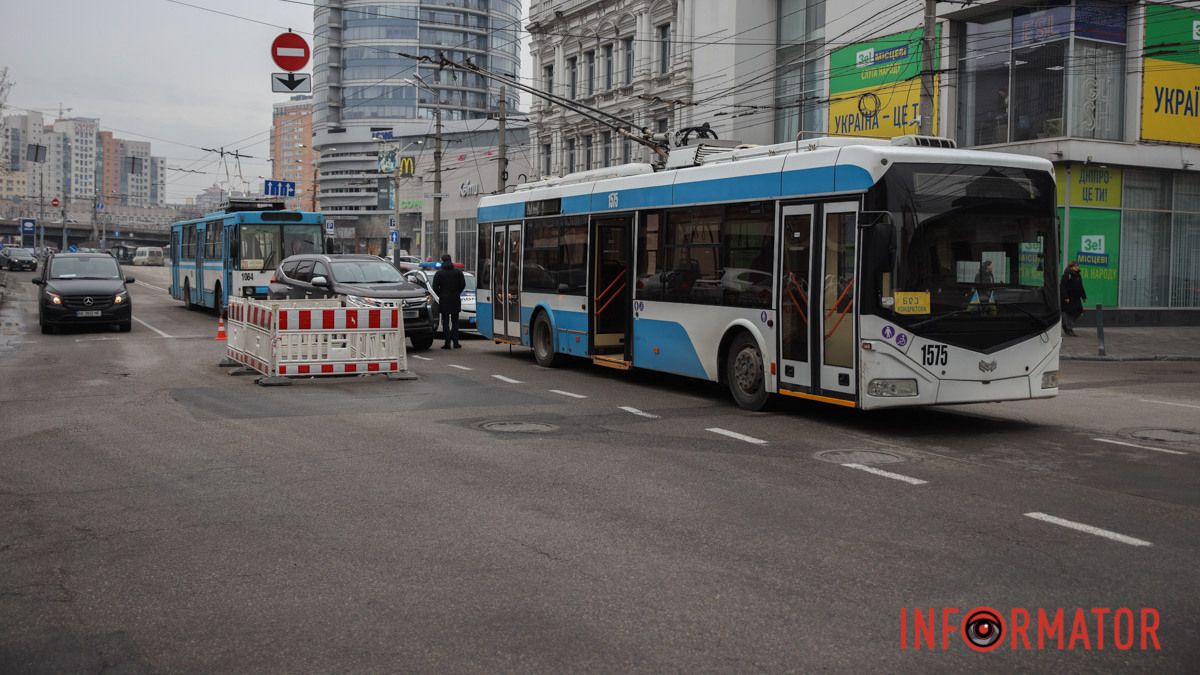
point(448, 285)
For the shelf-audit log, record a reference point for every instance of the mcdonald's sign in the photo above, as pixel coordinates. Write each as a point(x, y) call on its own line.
point(407, 166)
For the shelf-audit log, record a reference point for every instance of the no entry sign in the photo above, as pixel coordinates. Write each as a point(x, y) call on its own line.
point(54, 202)
point(290, 52)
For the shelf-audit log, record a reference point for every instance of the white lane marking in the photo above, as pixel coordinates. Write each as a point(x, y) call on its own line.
point(157, 288)
point(151, 327)
point(423, 358)
point(97, 339)
point(566, 393)
point(1107, 534)
point(886, 474)
point(639, 413)
point(1135, 445)
point(1177, 405)
point(455, 365)
point(734, 434)
point(507, 379)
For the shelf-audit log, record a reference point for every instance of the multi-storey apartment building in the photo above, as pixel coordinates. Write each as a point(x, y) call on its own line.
point(291, 150)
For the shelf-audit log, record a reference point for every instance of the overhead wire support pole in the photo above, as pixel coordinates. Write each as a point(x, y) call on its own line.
point(502, 163)
point(437, 175)
point(928, 68)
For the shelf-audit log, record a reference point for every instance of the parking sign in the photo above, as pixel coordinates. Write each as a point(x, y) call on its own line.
point(329, 226)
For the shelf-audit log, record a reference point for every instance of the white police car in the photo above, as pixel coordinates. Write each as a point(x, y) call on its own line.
point(423, 277)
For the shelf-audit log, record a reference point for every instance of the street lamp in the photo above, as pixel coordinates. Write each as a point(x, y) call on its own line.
point(437, 157)
point(396, 197)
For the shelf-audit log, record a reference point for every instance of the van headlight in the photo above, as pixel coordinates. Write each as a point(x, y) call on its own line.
point(1050, 379)
point(886, 388)
point(121, 298)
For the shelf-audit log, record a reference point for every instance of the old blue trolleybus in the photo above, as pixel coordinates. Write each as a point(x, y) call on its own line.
point(235, 250)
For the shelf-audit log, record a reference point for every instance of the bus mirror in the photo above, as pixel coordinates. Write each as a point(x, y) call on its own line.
point(873, 218)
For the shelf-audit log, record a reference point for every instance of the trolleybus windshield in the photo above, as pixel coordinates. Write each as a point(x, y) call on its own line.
point(970, 255)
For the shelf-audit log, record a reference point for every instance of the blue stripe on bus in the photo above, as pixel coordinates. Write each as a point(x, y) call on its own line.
point(515, 211)
point(636, 198)
point(675, 351)
point(798, 183)
point(576, 204)
point(755, 186)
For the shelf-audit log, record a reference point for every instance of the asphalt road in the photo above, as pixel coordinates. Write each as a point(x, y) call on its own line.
point(157, 514)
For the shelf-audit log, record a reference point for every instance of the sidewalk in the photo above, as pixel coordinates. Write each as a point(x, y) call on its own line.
point(1167, 343)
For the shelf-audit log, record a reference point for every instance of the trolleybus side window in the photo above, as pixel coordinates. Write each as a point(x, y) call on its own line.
point(712, 255)
point(555, 258)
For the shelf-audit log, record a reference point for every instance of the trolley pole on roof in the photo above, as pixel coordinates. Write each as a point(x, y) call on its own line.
point(927, 68)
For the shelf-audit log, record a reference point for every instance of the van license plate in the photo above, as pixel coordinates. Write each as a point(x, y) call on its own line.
point(88, 312)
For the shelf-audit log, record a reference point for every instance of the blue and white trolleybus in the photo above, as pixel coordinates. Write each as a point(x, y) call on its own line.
point(234, 251)
point(856, 272)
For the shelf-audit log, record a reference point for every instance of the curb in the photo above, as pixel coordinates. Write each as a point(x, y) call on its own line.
point(1153, 357)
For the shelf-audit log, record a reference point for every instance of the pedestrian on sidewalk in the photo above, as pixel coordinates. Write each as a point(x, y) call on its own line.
point(448, 284)
point(1073, 296)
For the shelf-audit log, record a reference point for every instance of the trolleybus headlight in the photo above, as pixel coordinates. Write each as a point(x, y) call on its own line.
point(892, 388)
point(1050, 379)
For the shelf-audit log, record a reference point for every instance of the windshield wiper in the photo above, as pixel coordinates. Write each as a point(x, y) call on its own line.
point(267, 261)
point(1043, 323)
point(926, 322)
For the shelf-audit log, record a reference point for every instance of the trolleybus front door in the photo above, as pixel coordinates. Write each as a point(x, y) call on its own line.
point(506, 280)
point(609, 287)
point(838, 325)
point(794, 315)
point(817, 297)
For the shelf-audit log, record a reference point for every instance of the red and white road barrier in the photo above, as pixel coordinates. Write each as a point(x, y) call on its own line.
point(307, 338)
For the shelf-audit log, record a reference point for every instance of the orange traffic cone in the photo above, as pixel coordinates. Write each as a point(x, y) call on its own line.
point(220, 329)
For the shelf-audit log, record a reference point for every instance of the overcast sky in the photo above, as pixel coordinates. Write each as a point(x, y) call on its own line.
point(158, 71)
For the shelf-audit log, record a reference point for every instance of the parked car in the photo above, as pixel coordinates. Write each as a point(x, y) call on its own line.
point(14, 259)
point(83, 288)
point(363, 281)
point(423, 277)
point(148, 255)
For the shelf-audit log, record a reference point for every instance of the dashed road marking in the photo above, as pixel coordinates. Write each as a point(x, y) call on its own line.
point(423, 358)
point(566, 393)
point(639, 413)
point(507, 379)
point(157, 288)
point(886, 474)
point(1177, 405)
point(1143, 447)
point(455, 365)
point(1107, 534)
point(736, 435)
point(151, 327)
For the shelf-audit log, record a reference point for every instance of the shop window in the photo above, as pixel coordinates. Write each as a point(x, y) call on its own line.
point(1185, 242)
